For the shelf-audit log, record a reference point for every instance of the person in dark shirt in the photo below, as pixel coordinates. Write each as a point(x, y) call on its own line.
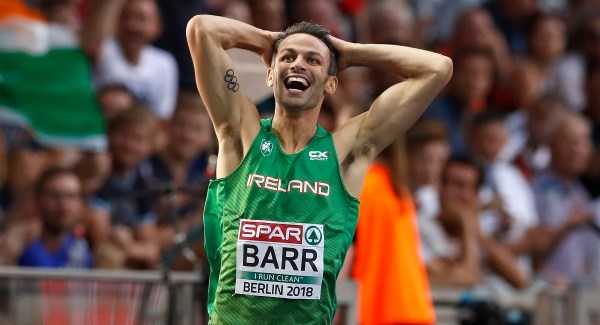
point(128, 192)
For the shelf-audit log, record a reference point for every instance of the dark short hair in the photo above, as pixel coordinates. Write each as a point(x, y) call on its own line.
point(136, 115)
point(465, 161)
point(49, 174)
point(424, 132)
point(315, 30)
point(488, 116)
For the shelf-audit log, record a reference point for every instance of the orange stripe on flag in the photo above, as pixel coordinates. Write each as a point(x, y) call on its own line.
point(16, 8)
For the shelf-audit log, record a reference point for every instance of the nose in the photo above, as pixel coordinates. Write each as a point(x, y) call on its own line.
point(298, 65)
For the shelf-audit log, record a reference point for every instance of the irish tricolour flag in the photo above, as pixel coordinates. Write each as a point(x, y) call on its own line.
point(45, 80)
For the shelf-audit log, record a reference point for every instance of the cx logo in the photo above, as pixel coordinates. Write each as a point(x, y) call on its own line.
point(318, 155)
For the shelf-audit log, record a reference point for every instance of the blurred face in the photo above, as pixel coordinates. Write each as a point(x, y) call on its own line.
point(542, 118)
point(189, 133)
point(459, 184)
point(474, 29)
point(392, 27)
point(298, 73)
point(322, 12)
point(60, 203)
point(427, 162)
point(571, 148)
point(526, 85)
point(474, 77)
point(488, 140)
point(139, 23)
point(548, 40)
point(129, 145)
point(268, 14)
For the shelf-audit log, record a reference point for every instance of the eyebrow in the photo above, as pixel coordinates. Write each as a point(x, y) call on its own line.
point(309, 53)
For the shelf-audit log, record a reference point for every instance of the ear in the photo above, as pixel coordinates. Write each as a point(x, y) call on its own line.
point(331, 85)
point(269, 77)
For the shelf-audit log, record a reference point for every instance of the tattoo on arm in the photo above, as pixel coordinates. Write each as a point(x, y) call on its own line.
point(231, 81)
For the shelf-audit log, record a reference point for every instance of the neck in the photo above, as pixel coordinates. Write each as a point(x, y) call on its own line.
point(132, 53)
point(294, 130)
point(52, 241)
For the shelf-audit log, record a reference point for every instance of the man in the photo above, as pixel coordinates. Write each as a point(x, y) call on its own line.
point(128, 57)
point(567, 246)
point(282, 212)
point(60, 206)
point(506, 193)
point(453, 246)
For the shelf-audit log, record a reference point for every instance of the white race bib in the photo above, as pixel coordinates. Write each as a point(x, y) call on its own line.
point(279, 259)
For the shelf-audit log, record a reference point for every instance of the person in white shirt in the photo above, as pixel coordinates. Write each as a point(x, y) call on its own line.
point(128, 58)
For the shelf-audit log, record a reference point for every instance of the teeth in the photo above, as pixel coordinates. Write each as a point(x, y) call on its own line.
point(298, 79)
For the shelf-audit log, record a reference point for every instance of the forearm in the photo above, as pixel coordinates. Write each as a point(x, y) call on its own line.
point(229, 33)
point(469, 259)
point(99, 25)
point(503, 262)
point(405, 61)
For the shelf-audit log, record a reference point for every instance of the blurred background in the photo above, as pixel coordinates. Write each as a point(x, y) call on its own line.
point(486, 212)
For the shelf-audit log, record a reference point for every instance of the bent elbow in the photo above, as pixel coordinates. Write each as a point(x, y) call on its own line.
point(196, 27)
point(444, 68)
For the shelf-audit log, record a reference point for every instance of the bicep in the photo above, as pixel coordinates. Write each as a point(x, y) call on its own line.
point(396, 110)
point(217, 81)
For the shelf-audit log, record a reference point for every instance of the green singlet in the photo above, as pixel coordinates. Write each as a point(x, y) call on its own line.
point(276, 233)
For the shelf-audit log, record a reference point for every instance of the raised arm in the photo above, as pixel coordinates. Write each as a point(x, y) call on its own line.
point(99, 25)
point(234, 117)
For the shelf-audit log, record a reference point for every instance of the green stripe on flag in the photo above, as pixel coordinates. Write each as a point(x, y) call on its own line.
point(283, 278)
point(53, 93)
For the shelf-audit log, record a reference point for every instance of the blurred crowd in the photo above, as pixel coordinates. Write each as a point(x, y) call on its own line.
point(503, 170)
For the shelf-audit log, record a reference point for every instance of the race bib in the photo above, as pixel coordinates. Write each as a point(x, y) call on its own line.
point(279, 259)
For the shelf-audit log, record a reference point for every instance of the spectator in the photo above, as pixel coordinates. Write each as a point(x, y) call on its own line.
point(129, 59)
point(60, 207)
point(474, 28)
point(512, 18)
point(449, 241)
point(427, 152)
point(468, 93)
point(390, 22)
point(568, 250)
point(572, 70)
point(268, 14)
point(181, 167)
point(322, 12)
point(238, 10)
point(504, 185)
point(128, 194)
point(453, 247)
point(529, 133)
point(547, 43)
point(393, 286)
point(175, 14)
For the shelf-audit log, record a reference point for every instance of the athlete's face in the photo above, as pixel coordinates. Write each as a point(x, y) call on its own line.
point(298, 73)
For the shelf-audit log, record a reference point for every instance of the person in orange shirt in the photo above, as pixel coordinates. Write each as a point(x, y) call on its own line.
point(391, 276)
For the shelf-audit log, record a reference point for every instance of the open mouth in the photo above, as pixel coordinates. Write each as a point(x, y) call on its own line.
point(296, 83)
